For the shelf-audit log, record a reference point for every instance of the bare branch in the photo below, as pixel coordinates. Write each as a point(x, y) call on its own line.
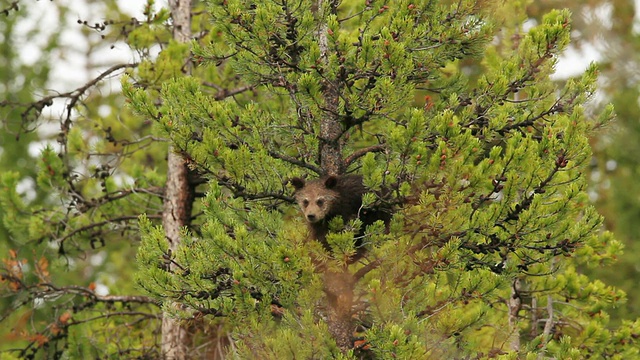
point(102, 223)
point(12, 7)
point(366, 269)
point(225, 93)
point(118, 313)
point(514, 303)
point(86, 292)
point(36, 107)
point(362, 152)
point(294, 161)
point(548, 326)
point(75, 95)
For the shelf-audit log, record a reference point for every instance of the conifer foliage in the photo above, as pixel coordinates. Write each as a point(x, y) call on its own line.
point(457, 130)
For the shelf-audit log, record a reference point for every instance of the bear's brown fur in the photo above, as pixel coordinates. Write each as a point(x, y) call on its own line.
point(320, 201)
point(325, 198)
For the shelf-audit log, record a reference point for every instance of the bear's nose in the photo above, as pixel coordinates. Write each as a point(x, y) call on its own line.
point(311, 217)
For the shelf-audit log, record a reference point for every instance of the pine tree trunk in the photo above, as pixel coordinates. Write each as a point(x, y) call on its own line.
point(176, 214)
point(338, 286)
point(179, 196)
point(330, 126)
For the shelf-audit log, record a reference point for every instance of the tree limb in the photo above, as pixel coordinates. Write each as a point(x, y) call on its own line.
point(362, 152)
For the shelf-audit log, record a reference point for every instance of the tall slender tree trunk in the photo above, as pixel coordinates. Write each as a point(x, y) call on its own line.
point(330, 126)
point(179, 197)
point(338, 286)
point(176, 214)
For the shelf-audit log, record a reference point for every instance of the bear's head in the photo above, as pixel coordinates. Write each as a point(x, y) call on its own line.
point(316, 198)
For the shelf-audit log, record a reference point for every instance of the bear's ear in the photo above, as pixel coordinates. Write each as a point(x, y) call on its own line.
point(331, 181)
point(297, 183)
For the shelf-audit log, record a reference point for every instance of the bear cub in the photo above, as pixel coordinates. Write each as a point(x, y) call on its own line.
point(322, 199)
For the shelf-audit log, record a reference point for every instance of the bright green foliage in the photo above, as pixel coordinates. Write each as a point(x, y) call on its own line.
point(613, 183)
point(487, 175)
point(15, 91)
point(18, 121)
point(75, 226)
point(449, 116)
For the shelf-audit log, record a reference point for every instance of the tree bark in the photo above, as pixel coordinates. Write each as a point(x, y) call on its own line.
point(176, 214)
point(330, 126)
point(548, 327)
point(338, 286)
point(514, 304)
point(179, 196)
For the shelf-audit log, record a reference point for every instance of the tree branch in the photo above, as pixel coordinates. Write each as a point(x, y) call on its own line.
point(514, 303)
point(74, 96)
point(548, 327)
point(102, 223)
point(12, 7)
point(225, 93)
point(294, 161)
point(363, 271)
point(362, 152)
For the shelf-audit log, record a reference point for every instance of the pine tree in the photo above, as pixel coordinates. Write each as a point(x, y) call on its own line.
point(485, 174)
point(449, 116)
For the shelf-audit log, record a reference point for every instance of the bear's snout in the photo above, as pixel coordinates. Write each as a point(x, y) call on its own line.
point(312, 218)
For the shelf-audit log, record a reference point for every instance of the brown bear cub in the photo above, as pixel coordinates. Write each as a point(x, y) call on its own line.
point(325, 198)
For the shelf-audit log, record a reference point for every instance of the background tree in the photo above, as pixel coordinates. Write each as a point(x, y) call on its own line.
point(19, 121)
point(104, 170)
point(65, 246)
point(610, 28)
point(17, 90)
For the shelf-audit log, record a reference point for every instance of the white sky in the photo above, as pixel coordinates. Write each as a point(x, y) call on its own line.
point(73, 63)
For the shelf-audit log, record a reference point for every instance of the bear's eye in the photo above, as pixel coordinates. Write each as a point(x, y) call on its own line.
point(320, 202)
point(305, 203)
